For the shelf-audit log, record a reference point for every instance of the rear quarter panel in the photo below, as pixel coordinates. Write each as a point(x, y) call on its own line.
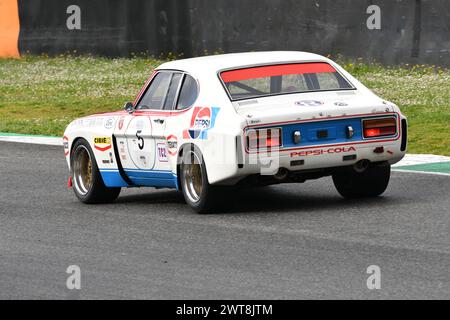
point(217, 143)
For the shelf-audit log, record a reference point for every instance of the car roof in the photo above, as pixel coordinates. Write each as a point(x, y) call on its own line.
point(215, 63)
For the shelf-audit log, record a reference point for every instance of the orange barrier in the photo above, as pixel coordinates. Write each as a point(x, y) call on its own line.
point(9, 28)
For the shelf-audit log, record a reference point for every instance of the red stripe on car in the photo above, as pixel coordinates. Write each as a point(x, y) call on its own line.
point(275, 70)
point(102, 148)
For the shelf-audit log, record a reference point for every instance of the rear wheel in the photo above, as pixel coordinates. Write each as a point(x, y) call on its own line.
point(197, 191)
point(371, 182)
point(87, 182)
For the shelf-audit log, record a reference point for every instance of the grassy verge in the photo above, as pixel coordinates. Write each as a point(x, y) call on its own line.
point(422, 93)
point(40, 95)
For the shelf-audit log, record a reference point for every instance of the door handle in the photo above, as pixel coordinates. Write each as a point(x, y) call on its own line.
point(160, 121)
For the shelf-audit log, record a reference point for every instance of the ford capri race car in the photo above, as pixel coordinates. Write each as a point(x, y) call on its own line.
point(242, 119)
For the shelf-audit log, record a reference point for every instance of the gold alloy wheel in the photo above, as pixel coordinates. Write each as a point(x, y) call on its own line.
point(192, 177)
point(82, 170)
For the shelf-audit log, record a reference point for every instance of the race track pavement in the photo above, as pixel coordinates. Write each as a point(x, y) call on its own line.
point(292, 241)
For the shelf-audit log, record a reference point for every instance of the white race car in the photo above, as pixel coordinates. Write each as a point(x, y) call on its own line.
point(254, 118)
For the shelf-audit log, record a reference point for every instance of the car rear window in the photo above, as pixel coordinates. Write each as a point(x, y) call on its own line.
point(278, 79)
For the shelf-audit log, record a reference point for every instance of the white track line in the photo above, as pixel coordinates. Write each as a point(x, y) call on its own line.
point(413, 159)
point(423, 172)
point(51, 141)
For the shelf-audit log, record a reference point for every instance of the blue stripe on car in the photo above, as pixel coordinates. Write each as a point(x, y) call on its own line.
point(336, 130)
point(151, 178)
point(112, 178)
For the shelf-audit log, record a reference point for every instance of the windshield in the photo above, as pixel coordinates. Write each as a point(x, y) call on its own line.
point(262, 81)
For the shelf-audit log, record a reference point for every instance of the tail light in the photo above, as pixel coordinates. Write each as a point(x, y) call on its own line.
point(379, 127)
point(263, 138)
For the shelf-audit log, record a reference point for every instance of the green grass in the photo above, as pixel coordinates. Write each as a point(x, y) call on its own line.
point(422, 93)
point(41, 95)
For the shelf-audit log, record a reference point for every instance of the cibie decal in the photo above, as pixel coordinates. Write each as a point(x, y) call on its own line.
point(309, 103)
point(66, 145)
point(102, 143)
point(202, 120)
point(318, 152)
point(172, 144)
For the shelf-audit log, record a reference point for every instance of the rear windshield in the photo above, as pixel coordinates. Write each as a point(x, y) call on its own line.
point(262, 81)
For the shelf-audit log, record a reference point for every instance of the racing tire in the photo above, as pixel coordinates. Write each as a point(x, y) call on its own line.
point(371, 182)
point(198, 193)
point(87, 182)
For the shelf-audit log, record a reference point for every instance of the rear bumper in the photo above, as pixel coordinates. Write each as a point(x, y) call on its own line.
point(319, 157)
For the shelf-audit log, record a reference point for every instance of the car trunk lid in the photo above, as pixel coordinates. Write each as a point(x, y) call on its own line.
point(335, 117)
point(302, 106)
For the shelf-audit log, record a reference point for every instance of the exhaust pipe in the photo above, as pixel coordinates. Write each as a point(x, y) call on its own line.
point(361, 165)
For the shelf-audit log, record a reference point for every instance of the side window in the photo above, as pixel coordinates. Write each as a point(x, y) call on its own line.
point(171, 93)
point(154, 96)
point(188, 93)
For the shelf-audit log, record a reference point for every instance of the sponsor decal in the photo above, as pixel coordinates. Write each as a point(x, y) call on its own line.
point(309, 103)
point(109, 123)
point(123, 154)
point(120, 123)
point(90, 122)
point(105, 161)
point(103, 140)
point(102, 143)
point(66, 145)
point(162, 152)
point(203, 119)
point(143, 160)
point(76, 123)
point(318, 152)
point(140, 124)
point(341, 104)
point(172, 144)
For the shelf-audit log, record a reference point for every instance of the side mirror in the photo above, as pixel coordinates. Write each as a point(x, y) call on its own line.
point(128, 107)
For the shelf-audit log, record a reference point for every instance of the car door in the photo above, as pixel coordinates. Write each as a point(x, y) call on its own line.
point(146, 161)
point(159, 122)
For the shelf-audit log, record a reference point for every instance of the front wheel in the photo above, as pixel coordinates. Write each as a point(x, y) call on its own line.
point(197, 191)
point(370, 183)
point(87, 182)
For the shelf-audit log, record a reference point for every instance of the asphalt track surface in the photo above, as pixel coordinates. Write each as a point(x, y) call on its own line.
point(292, 241)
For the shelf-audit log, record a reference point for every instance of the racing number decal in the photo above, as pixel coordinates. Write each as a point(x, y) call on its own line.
point(141, 140)
point(141, 145)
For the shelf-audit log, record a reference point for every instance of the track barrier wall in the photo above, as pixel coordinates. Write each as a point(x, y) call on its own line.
point(388, 31)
